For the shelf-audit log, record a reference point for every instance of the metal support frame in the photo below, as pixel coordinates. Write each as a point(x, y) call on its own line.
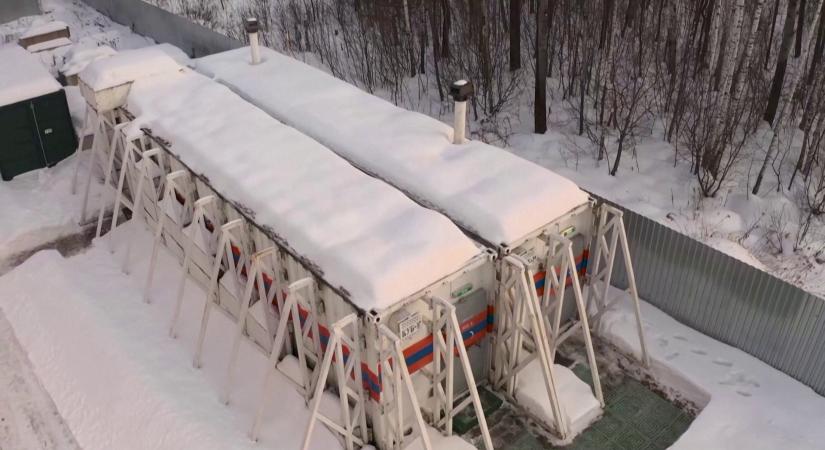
point(160, 224)
point(560, 264)
point(232, 234)
point(288, 310)
point(262, 263)
point(96, 122)
point(447, 341)
point(396, 382)
point(204, 213)
point(352, 424)
point(521, 329)
point(610, 233)
point(307, 334)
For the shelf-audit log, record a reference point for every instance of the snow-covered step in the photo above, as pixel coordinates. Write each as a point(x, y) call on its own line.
point(580, 406)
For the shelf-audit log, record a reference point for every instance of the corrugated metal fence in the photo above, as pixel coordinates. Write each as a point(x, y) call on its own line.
point(14, 9)
point(728, 299)
point(163, 26)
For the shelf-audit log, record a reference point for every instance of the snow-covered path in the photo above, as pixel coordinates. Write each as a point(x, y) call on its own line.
point(28, 417)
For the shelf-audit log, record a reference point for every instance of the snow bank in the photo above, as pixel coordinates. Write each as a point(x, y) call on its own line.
point(581, 408)
point(49, 45)
point(78, 58)
point(22, 76)
point(127, 67)
point(366, 236)
point(116, 377)
point(749, 405)
point(494, 193)
point(45, 28)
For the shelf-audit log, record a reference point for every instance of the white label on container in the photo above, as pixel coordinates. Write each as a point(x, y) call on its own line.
point(409, 325)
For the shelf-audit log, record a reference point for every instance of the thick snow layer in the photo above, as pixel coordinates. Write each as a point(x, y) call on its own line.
point(46, 28)
point(77, 59)
point(116, 377)
point(22, 76)
point(28, 418)
point(127, 67)
point(581, 408)
point(493, 193)
point(748, 404)
point(366, 236)
point(49, 45)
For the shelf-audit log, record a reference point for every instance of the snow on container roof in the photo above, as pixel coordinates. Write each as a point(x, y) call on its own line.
point(23, 76)
point(488, 191)
point(365, 236)
point(78, 58)
point(126, 67)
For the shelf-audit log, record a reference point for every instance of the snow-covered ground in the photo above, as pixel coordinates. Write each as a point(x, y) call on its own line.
point(28, 417)
point(117, 378)
point(89, 29)
point(746, 403)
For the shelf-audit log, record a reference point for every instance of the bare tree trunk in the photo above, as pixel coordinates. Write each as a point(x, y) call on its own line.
point(515, 34)
point(792, 88)
point(820, 43)
point(540, 110)
point(781, 63)
point(800, 24)
point(771, 29)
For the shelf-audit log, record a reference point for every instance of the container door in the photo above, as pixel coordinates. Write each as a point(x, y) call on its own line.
point(471, 311)
point(54, 123)
point(19, 149)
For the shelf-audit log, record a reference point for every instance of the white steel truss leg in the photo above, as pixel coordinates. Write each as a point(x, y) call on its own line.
point(455, 341)
point(559, 265)
point(84, 130)
point(224, 257)
point(145, 173)
point(353, 421)
point(611, 224)
point(396, 379)
point(287, 309)
point(171, 181)
point(198, 222)
point(98, 126)
point(116, 143)
point(307, 334)
point(524, 331)
point(262, 262)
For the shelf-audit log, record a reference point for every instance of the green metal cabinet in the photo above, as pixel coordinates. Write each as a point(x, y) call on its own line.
point(35, 133)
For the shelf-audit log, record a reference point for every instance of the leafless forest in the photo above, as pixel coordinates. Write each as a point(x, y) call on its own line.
point(714, 72)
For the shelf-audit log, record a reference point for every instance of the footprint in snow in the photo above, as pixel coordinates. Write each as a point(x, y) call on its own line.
point(662, 342)
point(722, 362)
point(744, 393)
point(699, 351)
point(672, 356)
point(681, 338)
point(739, 379)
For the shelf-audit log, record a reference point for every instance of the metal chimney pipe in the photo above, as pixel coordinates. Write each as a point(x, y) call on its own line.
point(461, 91)
point(251, 26)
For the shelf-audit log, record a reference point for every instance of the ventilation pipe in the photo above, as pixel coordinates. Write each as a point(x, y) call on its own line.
point(460, 91)
point(251, 26)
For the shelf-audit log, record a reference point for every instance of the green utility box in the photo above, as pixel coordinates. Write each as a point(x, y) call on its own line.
point(35, 133)
point(36, 127)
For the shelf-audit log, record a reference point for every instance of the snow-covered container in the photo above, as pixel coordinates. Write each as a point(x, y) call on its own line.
point(105, 85)
point(500, 200)
point(370, 250)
